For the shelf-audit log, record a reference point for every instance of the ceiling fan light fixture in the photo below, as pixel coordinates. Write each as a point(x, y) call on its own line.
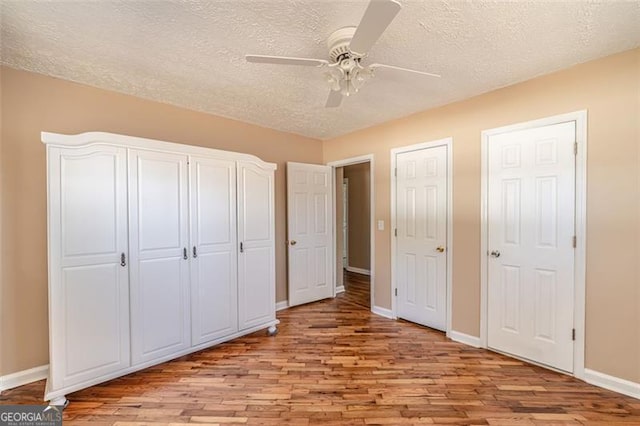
point(346, 88)
point(334, 78)
point(348, 76)
point(360, 76)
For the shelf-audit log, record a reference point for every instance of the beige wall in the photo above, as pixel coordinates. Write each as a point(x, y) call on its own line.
point(359, 244)
point(609, 89)
point(32, 103)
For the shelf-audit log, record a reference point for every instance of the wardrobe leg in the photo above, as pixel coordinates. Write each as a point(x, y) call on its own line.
point(272, 331)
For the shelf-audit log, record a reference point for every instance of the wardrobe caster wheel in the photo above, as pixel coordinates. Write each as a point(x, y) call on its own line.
point(59, 401)
point(272, 331)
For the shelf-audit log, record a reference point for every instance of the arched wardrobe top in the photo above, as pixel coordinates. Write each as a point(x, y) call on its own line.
point(105, 138)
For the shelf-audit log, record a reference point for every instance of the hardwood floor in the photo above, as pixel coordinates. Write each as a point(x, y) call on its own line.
point(357, 288)
point(334, 362)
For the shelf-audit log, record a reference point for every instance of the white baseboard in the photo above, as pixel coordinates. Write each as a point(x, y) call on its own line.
point(358, 270)
point(282, 305)
point(24, 377)
point(612, 383)
point(464, 338)
point(383, 312)
point(340, 289)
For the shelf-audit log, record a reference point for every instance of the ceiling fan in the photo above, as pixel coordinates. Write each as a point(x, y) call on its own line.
point(348, 47)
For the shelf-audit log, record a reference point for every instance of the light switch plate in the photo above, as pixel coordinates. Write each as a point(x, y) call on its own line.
point(381, 225)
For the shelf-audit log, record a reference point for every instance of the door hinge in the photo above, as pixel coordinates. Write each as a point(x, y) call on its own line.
point(575, 241)
point(573, 334)
point(395, 232)
point(396, 292)
point(395, 172)
point(575, 148)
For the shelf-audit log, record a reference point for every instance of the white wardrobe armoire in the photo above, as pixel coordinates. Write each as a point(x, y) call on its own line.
point(156, 250)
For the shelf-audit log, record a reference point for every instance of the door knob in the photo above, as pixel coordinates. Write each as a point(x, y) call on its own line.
point(495, 253)
point(293, 242)
point(440, 249)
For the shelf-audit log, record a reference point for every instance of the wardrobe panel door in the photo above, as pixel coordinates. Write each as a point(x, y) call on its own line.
point(256, 260)
point(89, 291)
point(92, 305)
point(158, 204)
point(214, 295)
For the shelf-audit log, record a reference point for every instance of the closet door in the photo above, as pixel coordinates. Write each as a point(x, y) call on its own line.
point(256, 259)
point(89, 298)
point(214, 294)
point(158, 209)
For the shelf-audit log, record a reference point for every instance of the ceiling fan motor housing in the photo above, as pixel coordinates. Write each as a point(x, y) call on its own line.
point(338, 43)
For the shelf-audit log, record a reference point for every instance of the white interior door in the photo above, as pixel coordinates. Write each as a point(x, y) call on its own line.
point(256, 236)
point(531, 198)
point(421, 221)
point(158, 204)
point(214, 295)
point(310, 218)
point(90, 284)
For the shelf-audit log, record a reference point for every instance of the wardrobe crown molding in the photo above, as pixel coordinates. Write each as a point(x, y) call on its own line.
point(105, 138)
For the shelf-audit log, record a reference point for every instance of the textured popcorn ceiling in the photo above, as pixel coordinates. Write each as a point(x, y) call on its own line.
point(191, 53)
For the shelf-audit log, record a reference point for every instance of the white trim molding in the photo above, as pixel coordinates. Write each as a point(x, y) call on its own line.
point(24, 377)
point(282, 305)
point(612, 383)
point(383, 312)
point(367, 158)
point(463, 338)
point(340, 289)
point(580, 119)
point(448, 142)
point(358, 270)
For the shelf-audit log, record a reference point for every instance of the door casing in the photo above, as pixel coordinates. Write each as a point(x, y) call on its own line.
point(367, 158)
point(448, 142)
point(345, 219)
point(580, 118)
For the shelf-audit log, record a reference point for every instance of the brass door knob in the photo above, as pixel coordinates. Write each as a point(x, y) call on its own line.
point(440, 249)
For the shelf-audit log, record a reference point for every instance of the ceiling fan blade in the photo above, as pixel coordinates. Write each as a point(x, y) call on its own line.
point(334, 100)
point(285, 60)
point(375, 20)
point(391, 67)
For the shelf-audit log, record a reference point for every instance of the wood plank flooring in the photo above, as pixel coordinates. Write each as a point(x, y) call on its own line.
point(334, 362)
point(357, 288)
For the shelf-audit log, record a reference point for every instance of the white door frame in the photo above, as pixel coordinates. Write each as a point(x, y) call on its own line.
point(580, 118)
point(345, 217)
point(368, 158)
point(448, 142)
